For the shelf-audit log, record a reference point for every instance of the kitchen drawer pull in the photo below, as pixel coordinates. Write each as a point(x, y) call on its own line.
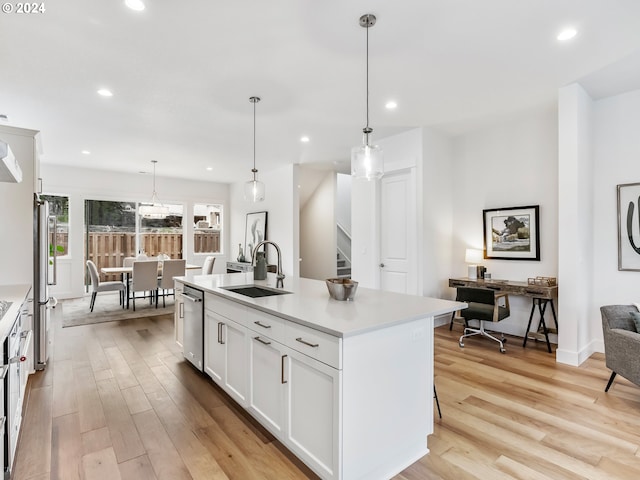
point(181, 311)
point(314, 345)
point(282, 380)
point(260, 324)
point(220, 340)
point(264, 342)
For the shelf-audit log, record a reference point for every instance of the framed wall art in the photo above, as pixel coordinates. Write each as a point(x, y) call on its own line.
point(512, 233)
point(629, 227)
point(255, 232)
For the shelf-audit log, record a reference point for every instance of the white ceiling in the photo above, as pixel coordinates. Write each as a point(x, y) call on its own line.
point(182, 74)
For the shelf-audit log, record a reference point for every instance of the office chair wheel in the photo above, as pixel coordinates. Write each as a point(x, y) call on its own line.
point(461, 343)
point(503, 350)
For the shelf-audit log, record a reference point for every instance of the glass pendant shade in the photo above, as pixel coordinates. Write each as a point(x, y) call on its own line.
point(367, 160)
point(254, 191)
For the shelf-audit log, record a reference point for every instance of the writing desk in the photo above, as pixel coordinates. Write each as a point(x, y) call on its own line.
point(541, 296)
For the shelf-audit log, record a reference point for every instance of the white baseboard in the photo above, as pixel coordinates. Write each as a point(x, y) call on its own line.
point(575, 358)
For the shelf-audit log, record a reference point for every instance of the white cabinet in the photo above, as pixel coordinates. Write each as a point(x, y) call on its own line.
point(313, 413)
point(225, 353)
point(267, 383)
point(293, 395)
point(178, 315)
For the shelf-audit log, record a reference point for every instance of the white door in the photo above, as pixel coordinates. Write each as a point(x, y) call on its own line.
point(398, 233)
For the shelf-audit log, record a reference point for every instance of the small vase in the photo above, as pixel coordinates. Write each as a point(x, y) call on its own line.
point(260, 270)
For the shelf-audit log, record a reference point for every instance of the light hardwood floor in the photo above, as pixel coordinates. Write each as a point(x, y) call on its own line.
point(118, 401)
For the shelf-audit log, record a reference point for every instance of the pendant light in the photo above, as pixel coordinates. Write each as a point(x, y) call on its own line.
point(254, 189)
point(366, 159)
point(154, 209)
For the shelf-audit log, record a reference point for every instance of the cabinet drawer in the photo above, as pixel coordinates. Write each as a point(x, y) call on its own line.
point(266, 325)
point(232, 310)
point(319, 345)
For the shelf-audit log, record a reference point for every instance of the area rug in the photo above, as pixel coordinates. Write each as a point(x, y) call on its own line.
point(76, 312)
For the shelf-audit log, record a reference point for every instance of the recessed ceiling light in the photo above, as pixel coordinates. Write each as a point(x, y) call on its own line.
point(390, 105)
point(304, 139)
point(209, 169)
point(86, 152)
point(567, 34)
point(105, 93)
point(136, 5)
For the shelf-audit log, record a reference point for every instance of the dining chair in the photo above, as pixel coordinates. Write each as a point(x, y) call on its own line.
point(207, 268)
point(145, 278)
point(170, 269)
point(98, 286)
point(128, 261)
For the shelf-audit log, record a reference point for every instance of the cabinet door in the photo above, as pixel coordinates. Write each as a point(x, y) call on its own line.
point(234, 340)
point(178, 315)
point(214, 349)
point(267, 387)
point(313, 412)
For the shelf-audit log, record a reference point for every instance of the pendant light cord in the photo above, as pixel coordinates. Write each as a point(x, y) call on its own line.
point(254, 140)
point(367, 126)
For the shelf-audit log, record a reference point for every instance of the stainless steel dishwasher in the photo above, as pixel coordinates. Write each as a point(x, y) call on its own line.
point(193, 340)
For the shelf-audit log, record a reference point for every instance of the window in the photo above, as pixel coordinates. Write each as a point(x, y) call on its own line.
point(113, 231)
point(59, 207)
point(207, 222)
point(162, 236)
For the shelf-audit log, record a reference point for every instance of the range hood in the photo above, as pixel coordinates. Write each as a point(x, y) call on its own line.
point(9, 168)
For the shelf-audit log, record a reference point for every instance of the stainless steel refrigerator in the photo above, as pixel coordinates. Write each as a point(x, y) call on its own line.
point(44, 275)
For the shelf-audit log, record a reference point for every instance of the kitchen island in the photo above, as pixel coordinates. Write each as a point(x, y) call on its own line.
point(346, 386)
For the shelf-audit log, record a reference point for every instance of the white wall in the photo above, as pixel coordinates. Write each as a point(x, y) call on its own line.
point(318, 231)
point(282, 204)
point(343, 201)
point(575, 215)
point(16, 200)
point(435, 207)
point(508, 165)
point(82, 184)
point(616, 158)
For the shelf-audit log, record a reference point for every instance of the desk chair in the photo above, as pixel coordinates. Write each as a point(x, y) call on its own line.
point(484, 306)
point(98, 286)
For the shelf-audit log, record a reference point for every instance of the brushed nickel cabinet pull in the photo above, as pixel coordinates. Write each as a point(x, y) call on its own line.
point(264, 342)
point(260, 324)
point(314, 345)
point(220, 339)
point(181, 311)
point(282, 380)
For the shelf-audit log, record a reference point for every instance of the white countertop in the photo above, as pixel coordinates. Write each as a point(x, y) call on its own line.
point(16, 294)
point(310, 304)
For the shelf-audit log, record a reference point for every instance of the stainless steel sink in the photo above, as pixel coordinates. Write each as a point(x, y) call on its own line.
point(255, 291)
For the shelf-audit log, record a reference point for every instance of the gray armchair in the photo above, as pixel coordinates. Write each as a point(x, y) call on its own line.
point(621, 342)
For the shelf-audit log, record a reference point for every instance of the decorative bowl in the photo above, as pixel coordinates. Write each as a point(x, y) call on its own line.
point(341, 288)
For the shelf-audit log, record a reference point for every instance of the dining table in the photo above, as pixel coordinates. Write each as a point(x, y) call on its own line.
point(127, 271)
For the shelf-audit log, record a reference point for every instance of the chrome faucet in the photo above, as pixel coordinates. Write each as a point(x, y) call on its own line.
point(279, 274)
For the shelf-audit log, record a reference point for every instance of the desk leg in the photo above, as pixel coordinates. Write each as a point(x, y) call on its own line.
point(526, 334)
point(542, 308)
